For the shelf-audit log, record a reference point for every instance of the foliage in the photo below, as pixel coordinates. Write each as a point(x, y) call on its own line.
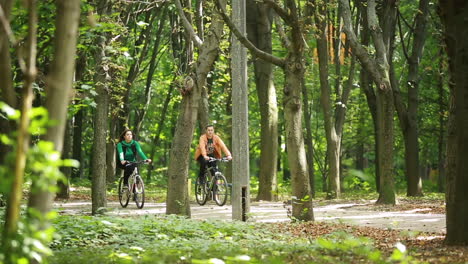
point(171, 239)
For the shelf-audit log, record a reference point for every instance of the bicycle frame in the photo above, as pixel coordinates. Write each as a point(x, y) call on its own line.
point(135, 188)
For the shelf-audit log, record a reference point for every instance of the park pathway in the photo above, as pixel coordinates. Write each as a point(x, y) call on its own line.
point(356, 214)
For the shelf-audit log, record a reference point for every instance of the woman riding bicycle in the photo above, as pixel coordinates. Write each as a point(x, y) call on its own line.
point(127, 149)
point(210, 145)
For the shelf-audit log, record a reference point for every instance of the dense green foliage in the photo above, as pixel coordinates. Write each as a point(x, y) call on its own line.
point(160, 239)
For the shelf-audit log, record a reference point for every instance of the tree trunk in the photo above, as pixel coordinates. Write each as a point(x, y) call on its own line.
point(442, 124)
point(7, 93)
point(408, 116)
point(177, 195)
point(379, 70)
point(367, 87)
point(156, 139)
point(64, 187)
point(453, 15)
point(12, 213)
point(78, 123)
point(259, 20)
point(333, 151)
point(293, 67)
point(99, 158)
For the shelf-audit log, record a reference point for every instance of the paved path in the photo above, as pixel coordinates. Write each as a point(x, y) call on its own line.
point(274, 212)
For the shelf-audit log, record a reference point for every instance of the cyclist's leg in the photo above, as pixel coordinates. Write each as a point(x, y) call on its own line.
point(127, 172)
point(203, 167)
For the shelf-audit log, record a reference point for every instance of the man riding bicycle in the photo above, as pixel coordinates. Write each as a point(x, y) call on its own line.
point(210, 145)
point(127, 149)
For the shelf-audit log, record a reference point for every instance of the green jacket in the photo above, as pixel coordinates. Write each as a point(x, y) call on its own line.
point(129, 155)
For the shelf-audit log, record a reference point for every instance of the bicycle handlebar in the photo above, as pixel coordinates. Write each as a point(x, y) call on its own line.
point(136, 162)
point(221, 159)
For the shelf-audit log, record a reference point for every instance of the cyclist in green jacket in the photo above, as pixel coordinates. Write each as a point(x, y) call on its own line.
point(127, 150)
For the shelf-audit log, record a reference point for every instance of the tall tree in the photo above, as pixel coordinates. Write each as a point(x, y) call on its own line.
point(58, 90)
point(293, 66)
point(453, 15)
point(408, 114)
point(380, 71)
point(259, 27)
point(177, 196)
point(98, 162)
point(12, 213)
point(7, 93)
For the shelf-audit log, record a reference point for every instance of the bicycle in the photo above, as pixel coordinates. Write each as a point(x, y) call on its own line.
point(135, 188)
point(212, 184)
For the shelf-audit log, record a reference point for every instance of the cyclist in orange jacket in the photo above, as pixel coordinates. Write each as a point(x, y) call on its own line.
point(210, 145)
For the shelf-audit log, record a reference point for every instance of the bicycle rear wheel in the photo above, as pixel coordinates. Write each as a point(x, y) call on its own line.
point(124, 194)
point(200, 191)
point(220, 189)
point(139, 192)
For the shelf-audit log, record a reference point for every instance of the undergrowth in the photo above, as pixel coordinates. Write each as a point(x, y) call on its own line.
point(171, 239)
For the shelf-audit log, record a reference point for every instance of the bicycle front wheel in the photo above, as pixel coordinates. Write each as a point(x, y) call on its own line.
point(220, 189)
point(124, 194)
point(139, 192)
point(200, 191)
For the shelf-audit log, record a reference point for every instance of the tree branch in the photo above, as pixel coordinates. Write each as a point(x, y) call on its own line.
point(249, 45)
point(280, 11)
point(188, 27)
point(284, 38)
point(361, 53)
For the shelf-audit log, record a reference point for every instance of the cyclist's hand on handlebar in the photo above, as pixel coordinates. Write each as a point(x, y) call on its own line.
point(123, 162)
point(206, 157)
point(229, 157)
point(148, 161)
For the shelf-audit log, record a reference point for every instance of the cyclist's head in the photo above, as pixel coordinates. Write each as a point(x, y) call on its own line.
point(126, 134)
point(209, 129)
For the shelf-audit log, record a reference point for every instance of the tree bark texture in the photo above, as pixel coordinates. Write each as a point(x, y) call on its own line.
point(453, 15)
point(64, 187)
point(259, 21)
point(99, 158)
point(7, 93)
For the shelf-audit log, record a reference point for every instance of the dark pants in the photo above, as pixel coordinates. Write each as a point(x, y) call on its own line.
point(128, 171)
point(204, 164)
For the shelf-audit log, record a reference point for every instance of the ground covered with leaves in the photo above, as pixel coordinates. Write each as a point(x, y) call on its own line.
point(171, 239)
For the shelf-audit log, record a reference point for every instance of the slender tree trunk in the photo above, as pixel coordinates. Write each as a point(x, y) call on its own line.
point(333, 151)
point(308, 138)
point(77, 152)
point(453, 15)
point(408, 116)
point(7, 93)
point(156, 139)
point(64, 187)
point(12, 213)
point(379, 69)
point(259, 20)
point(442, 125)
point(99, 158)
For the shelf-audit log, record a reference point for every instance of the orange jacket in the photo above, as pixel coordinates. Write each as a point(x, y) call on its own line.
point(218, 147)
